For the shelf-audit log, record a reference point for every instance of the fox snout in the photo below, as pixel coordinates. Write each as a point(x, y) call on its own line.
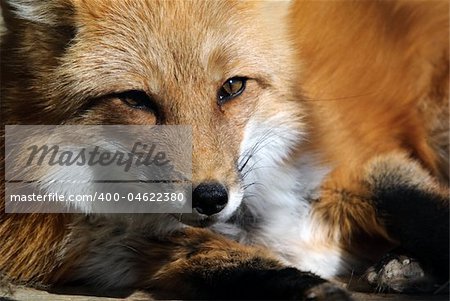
point(209, 198)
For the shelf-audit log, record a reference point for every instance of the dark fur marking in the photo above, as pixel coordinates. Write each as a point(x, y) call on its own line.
point(420, 221)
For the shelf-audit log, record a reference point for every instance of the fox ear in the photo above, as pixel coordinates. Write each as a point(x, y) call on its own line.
point(49, 25)
point(45, 12)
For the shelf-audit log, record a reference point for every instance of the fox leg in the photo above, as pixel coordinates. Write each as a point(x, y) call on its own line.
point(396, 209)
point(216, 268)
point(414, 209)
point(192, 264)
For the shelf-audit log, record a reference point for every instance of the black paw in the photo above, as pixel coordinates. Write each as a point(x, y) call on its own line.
point(399, 273)
point(327, 292)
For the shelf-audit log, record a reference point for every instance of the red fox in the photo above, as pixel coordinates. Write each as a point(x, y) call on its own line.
point(320, 142)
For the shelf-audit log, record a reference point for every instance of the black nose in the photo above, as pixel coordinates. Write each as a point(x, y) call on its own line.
point(209, 198)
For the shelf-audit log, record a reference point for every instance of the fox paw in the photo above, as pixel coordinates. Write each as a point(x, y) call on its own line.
point(399, 273)
point(327, 292)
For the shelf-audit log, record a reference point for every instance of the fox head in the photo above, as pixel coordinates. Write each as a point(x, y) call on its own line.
point(225, 68)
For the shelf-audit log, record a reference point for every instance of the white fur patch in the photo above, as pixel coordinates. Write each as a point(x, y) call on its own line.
point(234, 201)
point(277, 195)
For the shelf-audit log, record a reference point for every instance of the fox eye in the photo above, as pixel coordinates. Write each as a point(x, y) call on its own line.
point(137, 100)
point(231, 88)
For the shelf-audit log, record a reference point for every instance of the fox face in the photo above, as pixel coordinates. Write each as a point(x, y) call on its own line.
point(196, 63)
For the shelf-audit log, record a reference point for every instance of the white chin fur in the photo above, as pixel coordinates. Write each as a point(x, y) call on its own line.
point(277, 195)
point(234, 201)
